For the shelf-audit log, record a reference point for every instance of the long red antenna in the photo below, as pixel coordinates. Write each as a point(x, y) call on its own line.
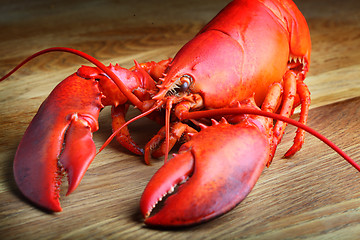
point(233, 111)
point(167, 127)
point(132, 98)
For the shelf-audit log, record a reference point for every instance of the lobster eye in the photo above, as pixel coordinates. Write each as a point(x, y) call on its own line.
point(185, 82)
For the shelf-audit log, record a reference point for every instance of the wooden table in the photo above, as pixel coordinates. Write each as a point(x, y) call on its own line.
point(314, 195)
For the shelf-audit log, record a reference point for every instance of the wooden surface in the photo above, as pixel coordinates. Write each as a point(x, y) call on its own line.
point(314, 195)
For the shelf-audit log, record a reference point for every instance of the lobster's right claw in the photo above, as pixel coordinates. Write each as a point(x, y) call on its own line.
point(222, 162)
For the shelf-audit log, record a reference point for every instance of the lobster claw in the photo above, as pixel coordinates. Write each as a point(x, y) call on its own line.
point(58, 141)
point(222, 163)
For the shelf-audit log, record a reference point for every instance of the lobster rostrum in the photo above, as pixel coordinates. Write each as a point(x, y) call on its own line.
point(228, 93)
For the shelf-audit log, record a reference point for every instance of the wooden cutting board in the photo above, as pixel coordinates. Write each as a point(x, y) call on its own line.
point(314, 195)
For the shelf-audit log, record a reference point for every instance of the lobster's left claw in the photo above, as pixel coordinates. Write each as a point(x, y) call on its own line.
point(223, 163)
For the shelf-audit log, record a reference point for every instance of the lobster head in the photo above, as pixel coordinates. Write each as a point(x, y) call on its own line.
point(200, 66)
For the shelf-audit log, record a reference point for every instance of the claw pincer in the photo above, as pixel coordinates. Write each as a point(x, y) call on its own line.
point(58, 140)
point(220, 169)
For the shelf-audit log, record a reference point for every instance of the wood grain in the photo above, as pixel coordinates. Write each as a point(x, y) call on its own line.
point(313, 195)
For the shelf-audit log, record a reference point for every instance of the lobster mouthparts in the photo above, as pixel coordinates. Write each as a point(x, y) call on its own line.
point(222, 162)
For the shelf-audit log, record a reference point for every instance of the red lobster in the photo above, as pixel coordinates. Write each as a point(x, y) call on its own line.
point(220, 94)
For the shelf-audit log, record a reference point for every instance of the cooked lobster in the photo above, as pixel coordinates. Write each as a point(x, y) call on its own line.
point(228, 93)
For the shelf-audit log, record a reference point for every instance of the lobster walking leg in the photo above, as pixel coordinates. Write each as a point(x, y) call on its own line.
point(287, 104)
point(292, 86)
point(156, 147)
point(305, 100)
point(271, 104)
point(118, 120)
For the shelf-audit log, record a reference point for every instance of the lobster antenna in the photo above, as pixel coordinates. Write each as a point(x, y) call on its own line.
point(133, 99)
point(154, 107)
point(232, 111)
point(169, 104)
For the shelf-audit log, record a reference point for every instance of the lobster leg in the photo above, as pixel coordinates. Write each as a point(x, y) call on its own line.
point(292, 86)
point(118, 120)
point(271, 104)
point(148, 74)
point(287, 104)
point(156, 147)
point(305, 100)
